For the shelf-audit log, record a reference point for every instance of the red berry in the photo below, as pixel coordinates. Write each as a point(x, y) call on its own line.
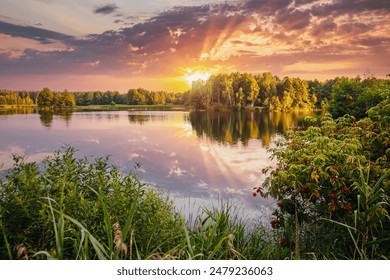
point(348, 207)
point(332, 195)
point(274, 224)
point(280, 204)
point(345, 189)
point(303, 190)
point(305, 161)
point(254, 194)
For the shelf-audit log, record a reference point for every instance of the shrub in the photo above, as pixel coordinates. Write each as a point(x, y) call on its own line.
point(328, 176)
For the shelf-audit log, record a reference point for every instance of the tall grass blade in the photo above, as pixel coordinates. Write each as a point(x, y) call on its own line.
point(99, 248)
point(6, 241)
point(58, 229)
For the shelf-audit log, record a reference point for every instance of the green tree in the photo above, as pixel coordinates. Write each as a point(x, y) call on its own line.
point(267, 86)
point(222, 91)
point(68, 99)
point(344, 97)
point(135, 97)
point(199, 95)
point(45, 98)
point(249, 87)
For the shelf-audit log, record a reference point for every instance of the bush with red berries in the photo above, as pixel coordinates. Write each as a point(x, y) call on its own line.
point(328, 180)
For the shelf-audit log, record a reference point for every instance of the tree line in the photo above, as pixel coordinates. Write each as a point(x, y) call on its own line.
point(231, 91)
point(239, 90)
point(48, 98)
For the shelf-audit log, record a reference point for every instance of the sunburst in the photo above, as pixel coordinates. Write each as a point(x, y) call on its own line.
point(192, 76)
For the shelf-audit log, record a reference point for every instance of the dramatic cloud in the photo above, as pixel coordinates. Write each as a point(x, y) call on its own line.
point(311, 39)
point(106, 9)
point(42, 35)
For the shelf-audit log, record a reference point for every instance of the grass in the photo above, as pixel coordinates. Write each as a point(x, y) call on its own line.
point(120, 107)
point(17, 106)
point(69, 208)
point(116, 107)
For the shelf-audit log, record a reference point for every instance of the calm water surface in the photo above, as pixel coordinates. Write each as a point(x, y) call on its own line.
point(199, 158)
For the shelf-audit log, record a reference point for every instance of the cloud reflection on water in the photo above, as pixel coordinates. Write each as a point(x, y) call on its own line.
point(186, 154)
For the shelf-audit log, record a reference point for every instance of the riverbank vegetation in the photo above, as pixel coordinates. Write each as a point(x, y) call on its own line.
point(331, 185)
point(69, 208)
point(332, 180)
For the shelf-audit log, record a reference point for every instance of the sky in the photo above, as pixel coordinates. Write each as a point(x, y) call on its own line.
point(165, 44)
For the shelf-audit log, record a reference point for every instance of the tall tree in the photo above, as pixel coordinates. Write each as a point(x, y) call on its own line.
point(345, 94)
point(45, 98)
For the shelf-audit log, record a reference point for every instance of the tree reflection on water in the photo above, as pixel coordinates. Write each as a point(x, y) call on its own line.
point(234, 127)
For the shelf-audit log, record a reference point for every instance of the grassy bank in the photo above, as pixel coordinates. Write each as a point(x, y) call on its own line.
point(69, 208)
point(116, 107)
point(5, 107)
point(121, 107)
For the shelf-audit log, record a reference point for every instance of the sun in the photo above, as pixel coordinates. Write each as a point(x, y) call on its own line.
point(192, 76)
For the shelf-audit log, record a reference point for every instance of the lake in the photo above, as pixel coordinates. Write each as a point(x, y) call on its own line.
point(198, 158)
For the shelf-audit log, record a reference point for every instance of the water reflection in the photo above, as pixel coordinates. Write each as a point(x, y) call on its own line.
point(234, 127)
point(18, 110)
point(205, 156)
point(222, 127)
point(46, 116)
point(146, 117)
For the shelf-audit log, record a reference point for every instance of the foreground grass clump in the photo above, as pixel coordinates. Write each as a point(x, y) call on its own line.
point(69, 208)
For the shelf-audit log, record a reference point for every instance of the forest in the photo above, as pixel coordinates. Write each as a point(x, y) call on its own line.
point(233, 91)
point(49, 99)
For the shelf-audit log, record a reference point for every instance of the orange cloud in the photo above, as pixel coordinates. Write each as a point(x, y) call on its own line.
point(297, 38)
